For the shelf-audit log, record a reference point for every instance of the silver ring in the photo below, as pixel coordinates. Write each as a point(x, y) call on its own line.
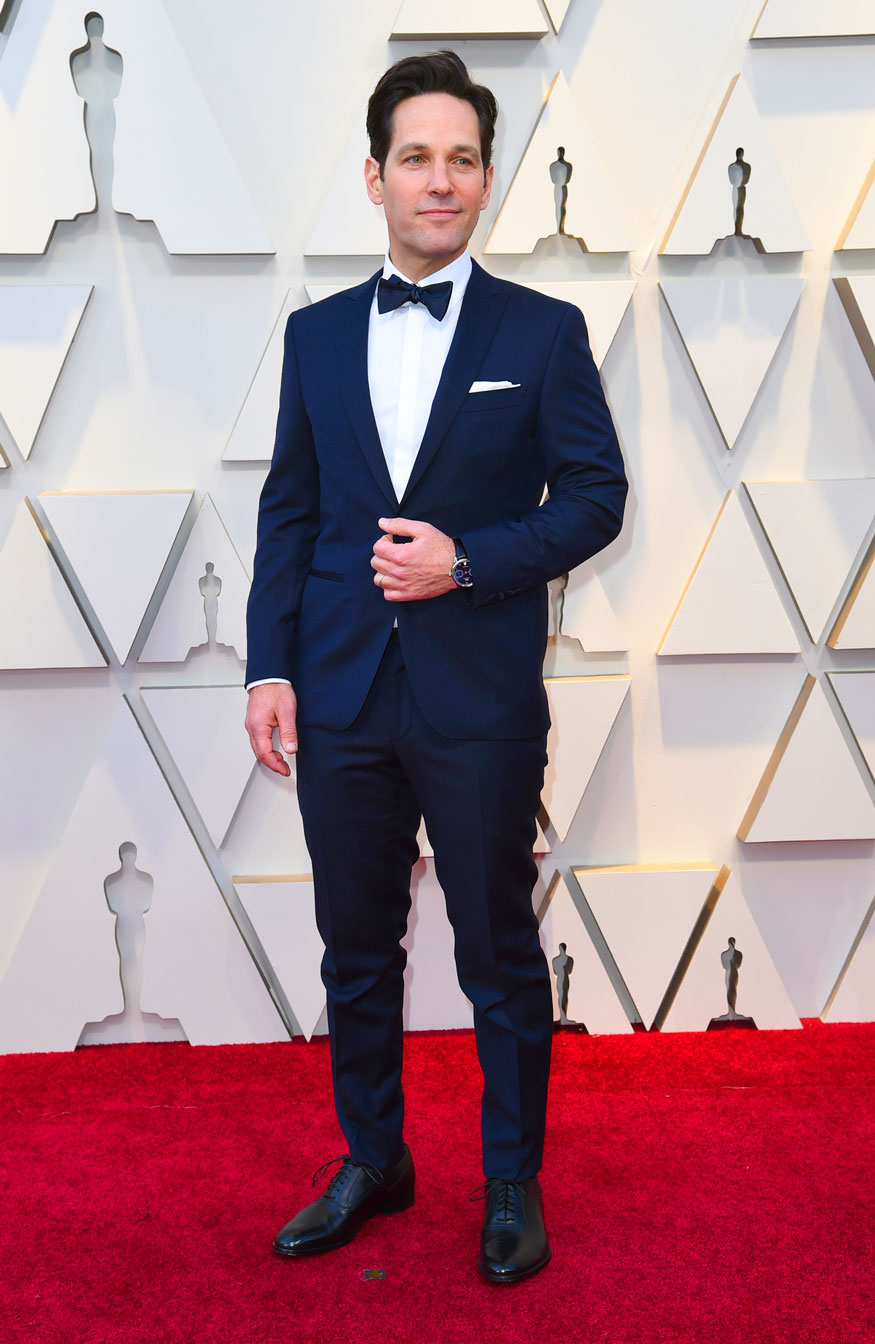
point(380, 578)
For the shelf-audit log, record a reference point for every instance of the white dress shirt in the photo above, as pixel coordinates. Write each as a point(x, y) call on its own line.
point(407, 349)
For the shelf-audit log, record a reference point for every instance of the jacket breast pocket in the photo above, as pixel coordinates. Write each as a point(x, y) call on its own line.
point(498, 399)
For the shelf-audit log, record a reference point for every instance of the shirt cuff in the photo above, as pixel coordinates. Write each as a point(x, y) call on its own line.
point(268, 681)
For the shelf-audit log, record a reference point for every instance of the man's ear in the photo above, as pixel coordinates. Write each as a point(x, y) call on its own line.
point(373, 181)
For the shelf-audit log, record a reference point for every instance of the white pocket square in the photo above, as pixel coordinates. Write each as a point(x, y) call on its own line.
point(491, 387)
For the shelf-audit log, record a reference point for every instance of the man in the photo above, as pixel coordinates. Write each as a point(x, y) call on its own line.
point(400, 587)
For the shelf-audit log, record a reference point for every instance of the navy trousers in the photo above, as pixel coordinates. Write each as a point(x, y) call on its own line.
point(361, 792)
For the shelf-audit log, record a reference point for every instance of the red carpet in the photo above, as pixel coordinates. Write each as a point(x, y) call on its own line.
point(716, 1187)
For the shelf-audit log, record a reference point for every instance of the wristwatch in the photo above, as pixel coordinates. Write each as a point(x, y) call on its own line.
point(461, 569)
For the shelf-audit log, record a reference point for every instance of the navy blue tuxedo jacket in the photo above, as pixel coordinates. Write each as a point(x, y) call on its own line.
point(474, 657)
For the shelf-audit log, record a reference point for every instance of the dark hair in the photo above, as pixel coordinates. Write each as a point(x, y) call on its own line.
point(436, 72)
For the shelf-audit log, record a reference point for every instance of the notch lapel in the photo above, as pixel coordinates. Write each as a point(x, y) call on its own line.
point(482, 308)
point(351, 340)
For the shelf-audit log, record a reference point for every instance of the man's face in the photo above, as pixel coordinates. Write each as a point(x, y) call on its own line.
point(433, 185)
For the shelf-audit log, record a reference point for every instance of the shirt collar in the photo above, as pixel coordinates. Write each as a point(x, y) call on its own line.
point(458, 271)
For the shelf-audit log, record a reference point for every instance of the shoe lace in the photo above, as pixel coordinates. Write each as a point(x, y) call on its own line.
point(343, 1174)
point(505, 1190)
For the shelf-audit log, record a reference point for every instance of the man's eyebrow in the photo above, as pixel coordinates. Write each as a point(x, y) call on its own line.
point(417, 146)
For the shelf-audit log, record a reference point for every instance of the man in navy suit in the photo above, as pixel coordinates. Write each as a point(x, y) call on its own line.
point(404, 547)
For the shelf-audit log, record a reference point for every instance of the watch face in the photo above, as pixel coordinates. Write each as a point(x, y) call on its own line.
point(462, 575)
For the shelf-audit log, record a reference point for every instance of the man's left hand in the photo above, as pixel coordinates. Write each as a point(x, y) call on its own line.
point(415, 570)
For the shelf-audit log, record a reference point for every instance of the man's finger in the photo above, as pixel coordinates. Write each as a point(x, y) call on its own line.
point(402, 527)
point(390, 556)
point(386, 564)
point(384, 548)
point(261, 737)
point(288, 731)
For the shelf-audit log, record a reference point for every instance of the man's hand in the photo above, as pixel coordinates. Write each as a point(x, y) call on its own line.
point(272, 705)
point(418, 569)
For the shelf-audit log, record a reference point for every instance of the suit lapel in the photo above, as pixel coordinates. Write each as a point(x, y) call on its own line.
point(352, 364)
point(482, 308)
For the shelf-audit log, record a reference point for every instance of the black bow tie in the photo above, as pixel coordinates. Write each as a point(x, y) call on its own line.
point(392, 293)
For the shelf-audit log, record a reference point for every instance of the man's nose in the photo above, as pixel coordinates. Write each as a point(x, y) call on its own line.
point(440, 180)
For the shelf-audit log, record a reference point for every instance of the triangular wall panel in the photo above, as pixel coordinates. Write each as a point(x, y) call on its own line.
point(707, 211)
point(196, 968)
point(529, 210)
point(44, 154)
point(117, 545)
point(583, 711)
point(587, 615)
point(191, 605)
point(729, 604)
point(853, 999)
point(349, 224)
point(813, 18)
point(40, 623)
point(251, 439)
point(857, 294)
point(557, 9)
point(37, 327)
point(171, 162)
point(732, 326)
point(202, 728)
point(602, 302)
point(423, 19)
point(592, 999)
point(816, 530)
point(811, 788)
point(282, 914)
point(702, 995)
point(855, 627)
point(647, 916)
point(266, 835)
point(860, 228)
point(856, 695)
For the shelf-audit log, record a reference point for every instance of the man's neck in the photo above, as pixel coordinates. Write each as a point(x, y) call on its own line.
point(417, 270)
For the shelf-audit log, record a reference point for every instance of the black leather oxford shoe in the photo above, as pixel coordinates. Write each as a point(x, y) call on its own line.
point(355, 1193)
point(513, 1243)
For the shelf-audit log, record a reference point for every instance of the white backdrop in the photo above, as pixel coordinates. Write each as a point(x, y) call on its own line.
point(163, 358)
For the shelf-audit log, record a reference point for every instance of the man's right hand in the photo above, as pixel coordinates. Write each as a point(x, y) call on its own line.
point(272, 705)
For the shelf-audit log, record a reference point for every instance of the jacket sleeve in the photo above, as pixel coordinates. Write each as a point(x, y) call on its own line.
point(288, 520)
point(585, 480)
